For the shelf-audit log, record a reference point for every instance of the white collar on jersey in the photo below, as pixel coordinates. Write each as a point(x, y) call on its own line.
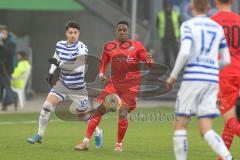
point(201, 15)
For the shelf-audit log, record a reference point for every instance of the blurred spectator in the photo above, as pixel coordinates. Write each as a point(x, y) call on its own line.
point(8, 62)
point(186, 10)
point(18, 74)
point(8, 45)
point(212, 9)
point(4, 79)
point(168, 24)
point(20, 77)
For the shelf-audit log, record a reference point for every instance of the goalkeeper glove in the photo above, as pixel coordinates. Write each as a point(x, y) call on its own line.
point(53, 61)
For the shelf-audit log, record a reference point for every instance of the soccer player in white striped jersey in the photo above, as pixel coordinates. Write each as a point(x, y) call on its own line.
point(70, 55)
point(201, 41)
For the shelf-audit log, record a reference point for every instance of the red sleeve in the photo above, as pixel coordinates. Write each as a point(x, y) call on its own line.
point(104, 61)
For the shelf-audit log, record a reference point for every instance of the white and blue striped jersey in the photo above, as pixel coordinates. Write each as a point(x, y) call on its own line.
point(72, 64)
point(206, 40)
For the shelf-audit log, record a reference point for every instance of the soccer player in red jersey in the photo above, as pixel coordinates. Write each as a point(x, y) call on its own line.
point(230, 75)
point(124, 55)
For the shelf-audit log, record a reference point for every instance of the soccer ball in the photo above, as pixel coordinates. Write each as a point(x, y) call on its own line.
point(112, 102)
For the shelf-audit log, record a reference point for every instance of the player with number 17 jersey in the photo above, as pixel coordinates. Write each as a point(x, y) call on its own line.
point(201, 41)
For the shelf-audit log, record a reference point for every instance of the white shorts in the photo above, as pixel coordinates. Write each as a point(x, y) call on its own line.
point(197, 98)
point(80, 102)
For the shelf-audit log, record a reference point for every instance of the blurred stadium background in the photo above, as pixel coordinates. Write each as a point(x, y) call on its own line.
point(38, 25)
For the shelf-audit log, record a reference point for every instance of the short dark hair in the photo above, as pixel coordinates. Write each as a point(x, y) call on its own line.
point(22, 54)
point(72, 24)
point(166, 3)
point(224, 1)
point(123, 22)
point(201, 5)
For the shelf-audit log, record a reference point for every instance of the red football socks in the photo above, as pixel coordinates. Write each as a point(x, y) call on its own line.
point(227, 136)
point(92, 126)
point(234, 125)
point(122, 128)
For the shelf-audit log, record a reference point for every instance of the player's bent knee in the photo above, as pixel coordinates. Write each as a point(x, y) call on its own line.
point(180, 125)
point(46, 110)
point(48, 106)
point(204, 129)
point(230, 114)
point(102, 110)
point(202, 133)
point(53, 99)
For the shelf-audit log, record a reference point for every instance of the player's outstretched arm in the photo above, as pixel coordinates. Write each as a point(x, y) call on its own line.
point(184, 52)
point(144, 55)
point(181, 58)
point(224, 52)
point(225, 57)
point(103, 66)
point(180, 62)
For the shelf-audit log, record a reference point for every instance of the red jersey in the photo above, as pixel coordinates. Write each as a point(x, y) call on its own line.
point(230, 22)
point(124, 58)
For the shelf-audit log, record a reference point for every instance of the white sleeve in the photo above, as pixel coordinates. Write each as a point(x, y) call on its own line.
point(53, 67)
point(185, 50)
point(224, 53)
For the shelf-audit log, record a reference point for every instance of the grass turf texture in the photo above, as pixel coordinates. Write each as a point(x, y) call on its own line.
point(145, 140)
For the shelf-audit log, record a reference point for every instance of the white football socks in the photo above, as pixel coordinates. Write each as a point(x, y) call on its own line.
point(44, 117)
point(86, 140)
point(217, 144)
point(97, 131)
point(180, 144)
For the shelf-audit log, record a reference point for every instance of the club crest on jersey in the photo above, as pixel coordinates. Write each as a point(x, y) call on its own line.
point(131, 48)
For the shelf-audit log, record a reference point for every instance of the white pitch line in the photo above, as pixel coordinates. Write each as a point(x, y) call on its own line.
point(23, 122)
point(32, 122)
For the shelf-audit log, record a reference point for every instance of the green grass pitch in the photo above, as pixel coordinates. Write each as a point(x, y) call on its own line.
point(145, 140)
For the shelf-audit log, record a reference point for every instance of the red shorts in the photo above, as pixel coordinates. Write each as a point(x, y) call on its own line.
point(128, 97)
point(228, 93)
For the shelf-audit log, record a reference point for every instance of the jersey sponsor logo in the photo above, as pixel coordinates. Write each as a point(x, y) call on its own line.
point(123, 58)
point(205, 60)
point(129, 59)
point(119, 58)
